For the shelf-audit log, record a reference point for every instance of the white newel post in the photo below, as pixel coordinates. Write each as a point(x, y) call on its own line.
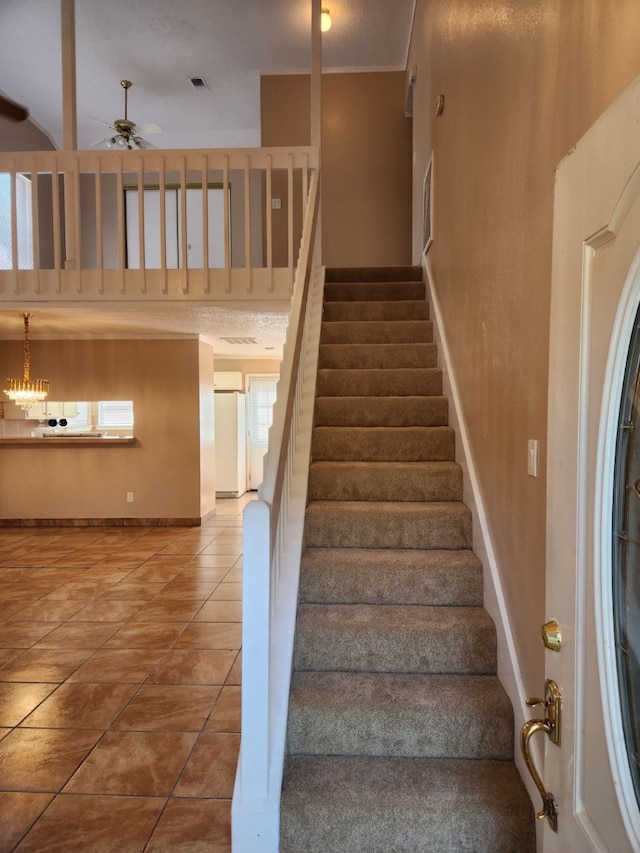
point(256, 607)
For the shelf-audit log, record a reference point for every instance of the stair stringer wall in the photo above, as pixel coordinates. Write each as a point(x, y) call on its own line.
point(509, 670)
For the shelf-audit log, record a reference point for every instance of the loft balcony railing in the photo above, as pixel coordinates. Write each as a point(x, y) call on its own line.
point(192, 225)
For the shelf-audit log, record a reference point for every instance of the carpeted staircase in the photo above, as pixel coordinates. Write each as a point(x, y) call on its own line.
point(400, 736)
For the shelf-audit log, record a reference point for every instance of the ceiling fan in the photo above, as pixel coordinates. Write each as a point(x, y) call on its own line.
point(127, 133)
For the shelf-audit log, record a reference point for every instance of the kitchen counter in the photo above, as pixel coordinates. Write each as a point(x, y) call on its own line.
point(69, 441)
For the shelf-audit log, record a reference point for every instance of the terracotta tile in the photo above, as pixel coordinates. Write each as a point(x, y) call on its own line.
point(105, 573)
point(18, 700)
point(14, 635)
point(132, 590)
point(144, 764)
point(46, 611)
point(80, 635)
point(44, 665)
point(213, 561)
point(197, 574)
point(104, 610)
point(175, 561)
point(141, 635)
point(193, 826)
point(171, 610)
point(127, 666)
point(163, 707)
point(219, 611)
point(81, 706)
point(234, 575)
point(223, 548)
point(3, 733)
point(9, 654)
point(227, 592)
point(77, 824)
point(17, 812)
point(235, 673)
point(42, 759)
point(189, 549)
point(211, 635)
point(211, 769)
point(186, 590)
point(154, 574)
point(80, 590)
point(193, 667)
point(226, 714)
point(9, 607)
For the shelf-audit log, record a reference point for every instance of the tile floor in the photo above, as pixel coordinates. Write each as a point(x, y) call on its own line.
point(120, 686)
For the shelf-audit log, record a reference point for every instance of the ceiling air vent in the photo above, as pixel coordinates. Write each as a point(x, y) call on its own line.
point(198, 82)
point(240, 341)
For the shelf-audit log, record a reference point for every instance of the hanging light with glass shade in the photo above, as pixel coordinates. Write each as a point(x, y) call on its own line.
point(26, 392)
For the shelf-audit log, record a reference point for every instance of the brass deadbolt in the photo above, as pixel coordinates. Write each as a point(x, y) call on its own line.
point(551, 636)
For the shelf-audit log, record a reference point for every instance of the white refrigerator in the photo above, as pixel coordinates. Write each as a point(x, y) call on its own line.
point(231, 444)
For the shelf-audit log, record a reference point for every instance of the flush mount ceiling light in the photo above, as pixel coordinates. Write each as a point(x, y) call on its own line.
point(26, 392)
point(325, 20)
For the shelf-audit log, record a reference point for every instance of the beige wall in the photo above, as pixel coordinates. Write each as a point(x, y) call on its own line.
point(22, 136)
point(366, 165)
point(522, 81)
point(165, 380)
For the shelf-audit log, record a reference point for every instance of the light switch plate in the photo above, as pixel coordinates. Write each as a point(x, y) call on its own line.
point(532, 458)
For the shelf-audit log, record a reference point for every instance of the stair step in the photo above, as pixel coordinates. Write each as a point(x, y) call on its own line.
point(392, 273)
point(395, 638)
point(376, 291)
point(385, 481)
point(345, 804)
point(363, 311)
point(377, 356)
point(401, 382)
point(386, 576)
point(369, 524)
point(381, 411)
point(376, 332)
point(383, 444)
point(395, 714)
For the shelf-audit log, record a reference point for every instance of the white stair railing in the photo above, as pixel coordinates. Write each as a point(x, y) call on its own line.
point(192, 225)
point(272, 546)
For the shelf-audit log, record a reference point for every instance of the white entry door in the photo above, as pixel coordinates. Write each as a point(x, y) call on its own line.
point(261, 397)
point(595, 295)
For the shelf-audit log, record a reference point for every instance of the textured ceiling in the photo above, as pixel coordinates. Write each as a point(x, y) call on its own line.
point(158, 45)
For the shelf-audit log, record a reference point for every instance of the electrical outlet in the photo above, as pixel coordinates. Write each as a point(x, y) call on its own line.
point(129, 497)
point(276, 204)
point(532, 458)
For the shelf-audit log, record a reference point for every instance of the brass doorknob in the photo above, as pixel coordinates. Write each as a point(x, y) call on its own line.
point(551, 636)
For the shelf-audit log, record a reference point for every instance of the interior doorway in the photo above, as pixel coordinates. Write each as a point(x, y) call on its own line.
point(261, 395)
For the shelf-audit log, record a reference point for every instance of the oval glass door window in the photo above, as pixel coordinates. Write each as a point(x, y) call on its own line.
point(626, 555)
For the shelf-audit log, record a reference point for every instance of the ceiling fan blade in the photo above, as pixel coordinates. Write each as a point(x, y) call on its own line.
point(143, 143)
point(148, 128)
point(100, 121)
point(12, 111)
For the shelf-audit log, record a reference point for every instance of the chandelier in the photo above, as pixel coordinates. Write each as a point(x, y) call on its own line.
point(26, 392)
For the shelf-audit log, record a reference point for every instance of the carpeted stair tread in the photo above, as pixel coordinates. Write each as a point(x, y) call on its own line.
point(377, 356)
point(381, 411)
point(400, 382)
point(374, 291)
point(377, 332)
point(390, 273)
point(383, 444)
point(362, 311)
point(359, 804)
point(382, 524)
point(382, 713)
point(387, 576)
point(385, 481)
point(395, 638)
